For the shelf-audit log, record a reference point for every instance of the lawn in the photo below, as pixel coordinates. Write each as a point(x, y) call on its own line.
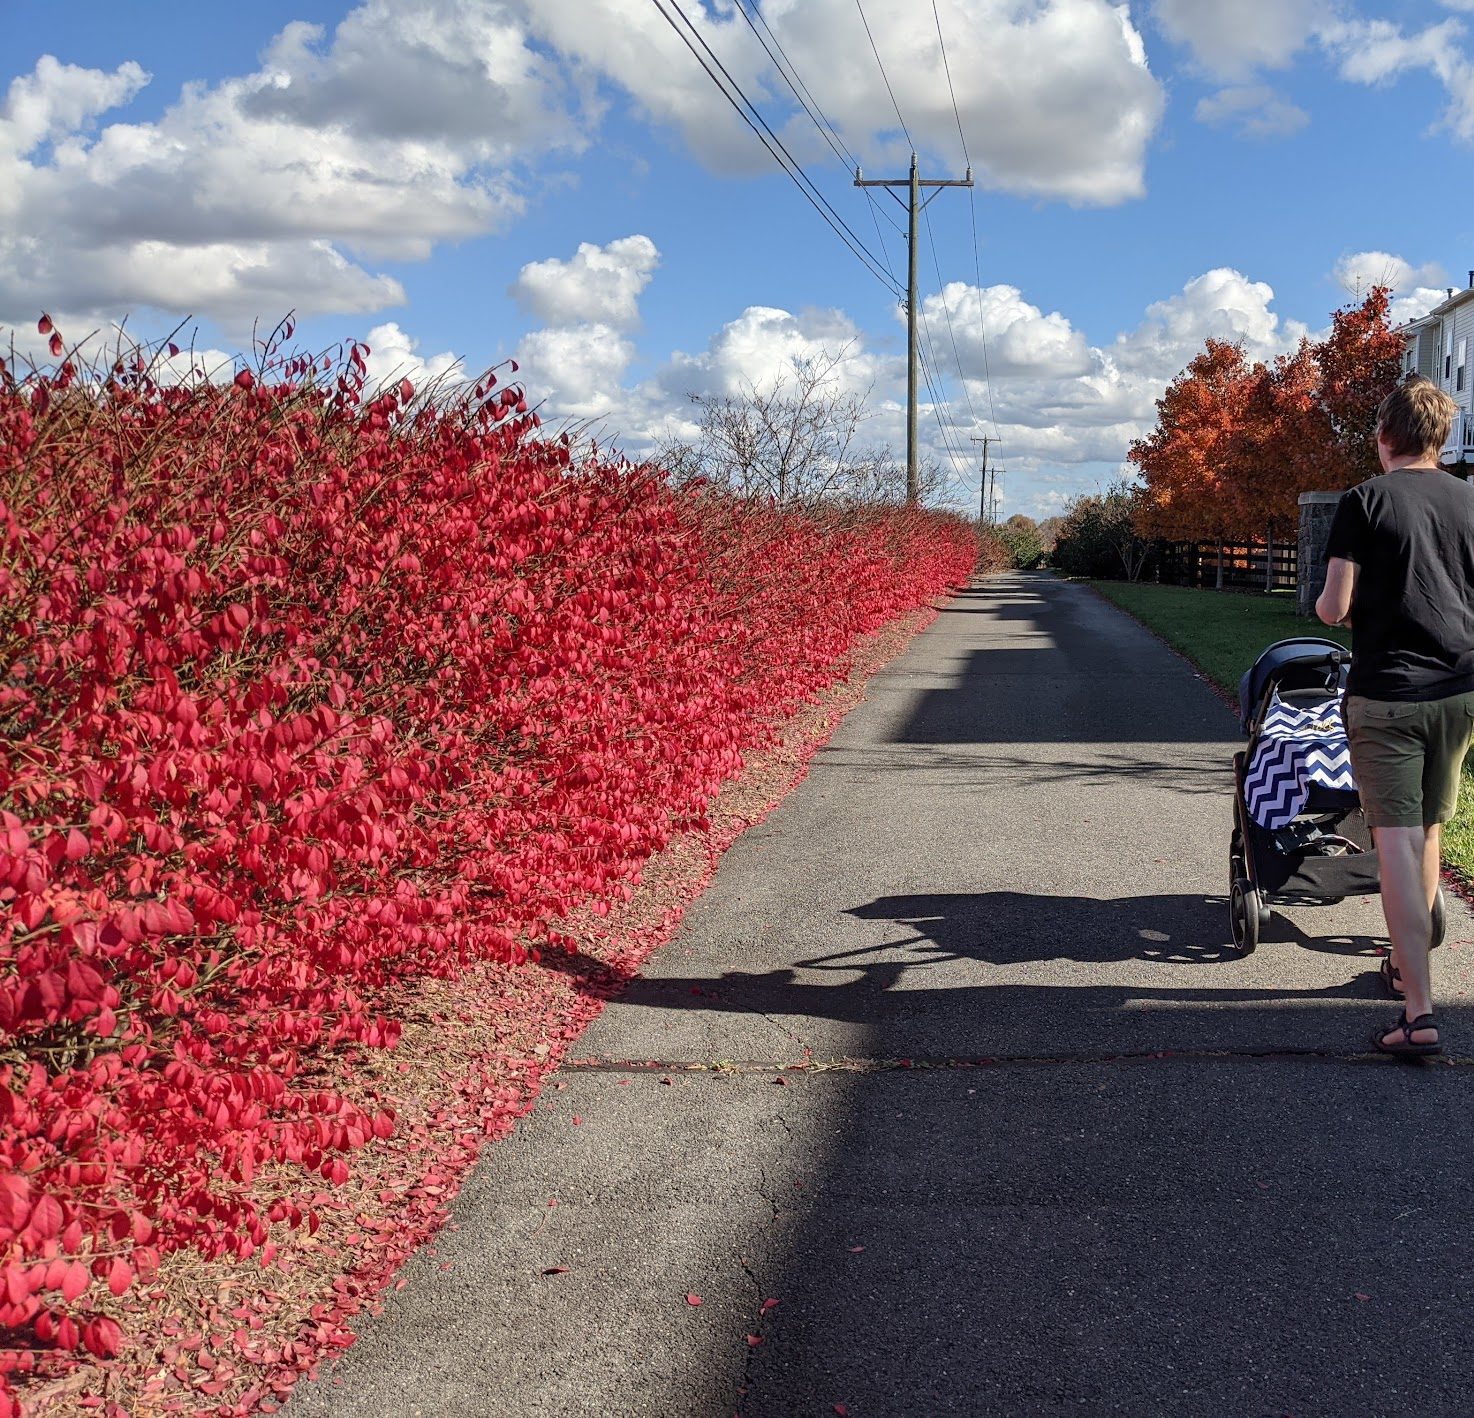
point(1222, 632)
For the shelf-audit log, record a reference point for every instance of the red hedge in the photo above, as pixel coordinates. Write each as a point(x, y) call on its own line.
point(303, 697)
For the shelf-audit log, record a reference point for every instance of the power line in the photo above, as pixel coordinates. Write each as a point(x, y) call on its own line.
point(774, 145)
point(931, 237)
point(800, 89)
point(875, 50)
point(972, 205)
point(947, 68)
point(788, 70)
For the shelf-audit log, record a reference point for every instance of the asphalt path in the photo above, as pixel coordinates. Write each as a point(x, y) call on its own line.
point(1057, 1148)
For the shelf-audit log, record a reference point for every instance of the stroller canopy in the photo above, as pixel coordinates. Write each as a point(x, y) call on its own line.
point(1300, 663)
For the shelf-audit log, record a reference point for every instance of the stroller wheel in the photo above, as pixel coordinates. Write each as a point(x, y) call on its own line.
point(1440, 922)
point(1246, 914)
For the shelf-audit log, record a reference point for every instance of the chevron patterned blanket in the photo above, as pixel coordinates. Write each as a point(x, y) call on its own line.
point(1298, 745)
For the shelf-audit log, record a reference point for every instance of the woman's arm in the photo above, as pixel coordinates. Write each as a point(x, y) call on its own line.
point(1334, 605)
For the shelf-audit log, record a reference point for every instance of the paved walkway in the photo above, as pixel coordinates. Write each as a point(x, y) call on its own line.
point(1015, 849)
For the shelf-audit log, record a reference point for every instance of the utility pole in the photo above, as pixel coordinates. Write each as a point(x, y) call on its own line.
point(914, 209)
point(983, 489)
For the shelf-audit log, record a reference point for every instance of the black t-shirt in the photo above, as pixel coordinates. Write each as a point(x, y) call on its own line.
point(1412, 617)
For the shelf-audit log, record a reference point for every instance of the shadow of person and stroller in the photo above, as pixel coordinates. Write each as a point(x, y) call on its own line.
point(1004, 930)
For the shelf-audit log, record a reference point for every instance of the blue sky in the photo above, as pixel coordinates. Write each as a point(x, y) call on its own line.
point(1148, 174)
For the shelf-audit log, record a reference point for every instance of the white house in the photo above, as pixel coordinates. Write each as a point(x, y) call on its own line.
point(1438, 348)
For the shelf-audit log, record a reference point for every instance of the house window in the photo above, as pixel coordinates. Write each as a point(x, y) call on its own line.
point(1448, 353)
point(1463, 359)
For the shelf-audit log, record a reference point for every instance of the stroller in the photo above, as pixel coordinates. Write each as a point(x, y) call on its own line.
point(1299, 837)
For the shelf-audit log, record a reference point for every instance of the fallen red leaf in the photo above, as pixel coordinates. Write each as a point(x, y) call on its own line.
point(841, 1410)
point(753, 1340)
point(1361, 1296)
point(768, 1305)
point(693, 1299)
point(556, 1270)
point(577, 1121)
point(855, 1250)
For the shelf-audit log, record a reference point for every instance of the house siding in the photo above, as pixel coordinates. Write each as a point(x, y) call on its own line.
point(1463, 328)
point(1426, 360)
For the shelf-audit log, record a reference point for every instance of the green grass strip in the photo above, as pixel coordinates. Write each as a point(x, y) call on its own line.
point(1223, 632)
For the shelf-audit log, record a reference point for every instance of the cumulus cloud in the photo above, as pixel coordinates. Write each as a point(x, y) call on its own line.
point(1056, 97)
point(1222, 303)
point(763, 347)
point(600, 285)
point(1235, 40)
point(998, 332)
point(395, 355)
point(1416, 289)
point(580, 369)
point(1067, 409)
point(391, 134)
point(1254, 110)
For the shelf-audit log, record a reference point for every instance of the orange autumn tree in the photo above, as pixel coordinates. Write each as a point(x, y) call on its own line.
point(1188, 493)
point(1360, 364)
point(1237, 443)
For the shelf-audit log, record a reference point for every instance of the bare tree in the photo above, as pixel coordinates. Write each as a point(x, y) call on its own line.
point(797, 442)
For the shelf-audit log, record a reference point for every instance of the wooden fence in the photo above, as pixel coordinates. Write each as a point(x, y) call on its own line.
point(1244, 565)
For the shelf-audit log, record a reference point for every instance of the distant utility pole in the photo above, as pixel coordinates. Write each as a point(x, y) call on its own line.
point(983, 489)
point(914, 209)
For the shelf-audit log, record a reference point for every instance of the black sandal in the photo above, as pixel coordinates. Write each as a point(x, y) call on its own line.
point(1406, 1048)
point(1391, 979)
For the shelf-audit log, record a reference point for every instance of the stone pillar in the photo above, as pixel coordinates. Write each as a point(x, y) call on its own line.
point(1316, 511)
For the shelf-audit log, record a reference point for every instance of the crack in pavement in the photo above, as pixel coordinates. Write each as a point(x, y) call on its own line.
point(945, 1064)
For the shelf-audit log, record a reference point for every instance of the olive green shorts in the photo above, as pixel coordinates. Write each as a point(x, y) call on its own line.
point(1408, 757)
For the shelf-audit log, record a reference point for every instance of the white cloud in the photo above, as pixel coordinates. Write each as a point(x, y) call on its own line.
point(244, 198)
point(1416, 289)
point(998, 332)
point(1067, 410)
point(763, 346)
point(1056, 97)
point(57, 99)
point(600, 285)
point(1379, 51)
point(393, 355)
point(1236, 39)
point(1221, 303)
point(580, 370)
point(1256, 110)
point(1358, 271)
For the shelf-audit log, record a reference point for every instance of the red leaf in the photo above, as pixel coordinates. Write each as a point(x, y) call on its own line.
point(768, 1305)
point(47, 1219)
point(102, 1337)
point(119, 1276)
point(1360, 1296)
point(74, 1282)
point(43, 325)
point(841, 1410)
point(245, 379)
point(55, 344)
point(753, 1340)
point(556, 1270)
point(693, 1300)
point(577, 1121)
